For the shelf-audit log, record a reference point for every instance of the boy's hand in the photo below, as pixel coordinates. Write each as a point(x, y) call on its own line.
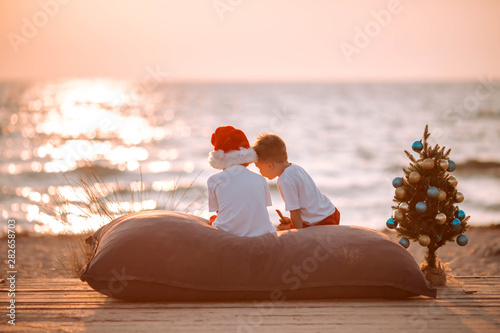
point(285, 220)
point(283, 226)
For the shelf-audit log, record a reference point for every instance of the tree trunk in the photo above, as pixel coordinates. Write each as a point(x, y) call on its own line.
point(431, 255)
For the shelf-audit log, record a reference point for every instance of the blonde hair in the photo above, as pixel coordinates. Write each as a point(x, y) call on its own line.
point(270, 148)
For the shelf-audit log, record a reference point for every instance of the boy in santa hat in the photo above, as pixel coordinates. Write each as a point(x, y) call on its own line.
point(307, 206)
point(239, 196)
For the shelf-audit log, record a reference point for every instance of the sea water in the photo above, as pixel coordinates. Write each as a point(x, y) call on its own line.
point(350, 137)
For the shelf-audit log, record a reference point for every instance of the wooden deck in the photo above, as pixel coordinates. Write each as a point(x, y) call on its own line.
point(69, 305)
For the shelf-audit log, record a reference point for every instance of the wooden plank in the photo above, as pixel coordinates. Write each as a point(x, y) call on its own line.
point(63, 297)
point(229, 323)
point(309, 314)
point(73, 283)
point(372, 305)
point(78, 288)
point(339, 314)
point(69, 298)
point(66, 297)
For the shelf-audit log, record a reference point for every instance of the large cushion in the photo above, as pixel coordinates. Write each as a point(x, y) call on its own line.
point(160, 255)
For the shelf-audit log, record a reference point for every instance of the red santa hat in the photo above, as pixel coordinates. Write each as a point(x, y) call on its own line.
point(231, 147)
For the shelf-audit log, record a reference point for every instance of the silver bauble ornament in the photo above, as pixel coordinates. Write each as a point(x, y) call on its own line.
point(440, 218)
point(404, 207)
point(441, 195)
point(443, 164)
point(414, 177)
point(453, 181)
point(460, 197)
point(424, 240)
point(400, 192)
point(428, 164)
point(399, 216)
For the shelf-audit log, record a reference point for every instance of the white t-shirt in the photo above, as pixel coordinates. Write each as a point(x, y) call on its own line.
point(299, 191)
point(241, 198)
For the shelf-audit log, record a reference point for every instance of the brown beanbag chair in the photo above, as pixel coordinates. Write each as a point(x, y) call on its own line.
point(167, 256)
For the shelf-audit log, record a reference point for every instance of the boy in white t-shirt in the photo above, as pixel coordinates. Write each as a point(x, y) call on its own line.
point(307, 206)
point(239, 196)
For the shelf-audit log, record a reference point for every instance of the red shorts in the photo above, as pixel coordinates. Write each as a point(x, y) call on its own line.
point(333, 219)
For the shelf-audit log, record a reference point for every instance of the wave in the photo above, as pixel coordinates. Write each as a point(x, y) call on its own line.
point(475, 165)
point(487, 113)
point(99, 170)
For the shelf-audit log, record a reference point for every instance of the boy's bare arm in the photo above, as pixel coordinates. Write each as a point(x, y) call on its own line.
point(296, 219)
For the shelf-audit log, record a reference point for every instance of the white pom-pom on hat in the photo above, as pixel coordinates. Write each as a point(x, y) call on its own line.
point(231, 147)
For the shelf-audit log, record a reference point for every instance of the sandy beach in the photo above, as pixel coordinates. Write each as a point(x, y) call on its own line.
point(51, 256)
point(480, 257)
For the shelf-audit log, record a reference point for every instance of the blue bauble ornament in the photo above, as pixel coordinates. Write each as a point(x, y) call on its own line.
point(440, 238)
point(462, 240)
point(421, 207)
point(455, 224)
point(433, 192)
point(391, 224)
point(461, 215)
point(417, 146)
point(404, 242)
point(451, 166)
point(397, 182)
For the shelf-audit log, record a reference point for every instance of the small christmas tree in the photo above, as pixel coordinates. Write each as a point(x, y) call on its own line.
point(426, 209)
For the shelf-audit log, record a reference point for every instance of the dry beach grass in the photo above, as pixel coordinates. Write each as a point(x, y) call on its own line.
point(64, 255)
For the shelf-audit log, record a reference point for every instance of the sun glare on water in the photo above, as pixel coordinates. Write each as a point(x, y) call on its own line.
point(63, 126)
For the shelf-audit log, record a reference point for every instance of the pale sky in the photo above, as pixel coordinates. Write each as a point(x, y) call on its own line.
point(251, 40)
